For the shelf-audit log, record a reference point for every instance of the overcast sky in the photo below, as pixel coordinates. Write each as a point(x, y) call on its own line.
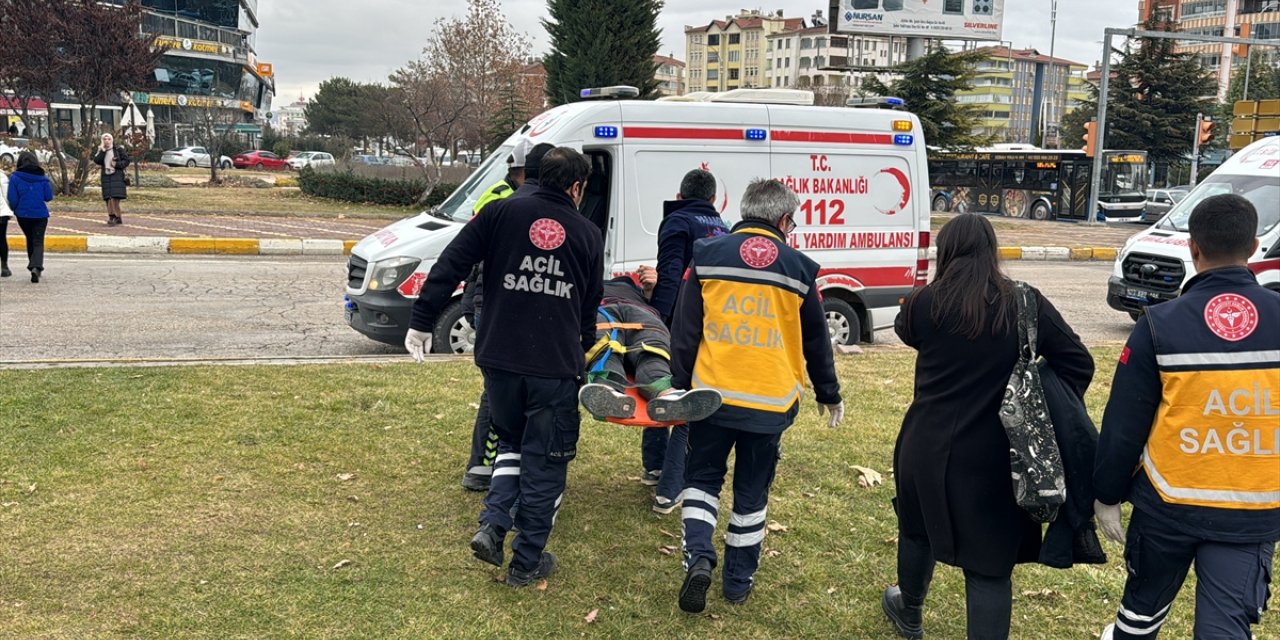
point(311, 40)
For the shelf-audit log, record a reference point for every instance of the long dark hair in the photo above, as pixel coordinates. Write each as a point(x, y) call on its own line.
point(969, 291)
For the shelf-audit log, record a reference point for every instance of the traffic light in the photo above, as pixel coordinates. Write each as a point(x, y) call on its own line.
point(1206, 130)
point(1090, 137)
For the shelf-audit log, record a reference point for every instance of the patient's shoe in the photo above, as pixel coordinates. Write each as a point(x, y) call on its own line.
point(685, 406)
point(603, 402)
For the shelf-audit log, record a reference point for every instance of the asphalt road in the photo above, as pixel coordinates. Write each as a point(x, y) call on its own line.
point(104, 307)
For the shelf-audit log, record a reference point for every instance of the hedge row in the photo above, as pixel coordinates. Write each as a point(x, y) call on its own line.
point(349, 187)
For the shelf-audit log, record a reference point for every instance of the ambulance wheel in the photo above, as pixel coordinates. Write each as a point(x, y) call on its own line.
point(843, 324)
point(453, 334)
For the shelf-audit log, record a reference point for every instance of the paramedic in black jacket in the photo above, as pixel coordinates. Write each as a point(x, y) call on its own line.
point(484, 442)
point(544, 264)
point(690, 217)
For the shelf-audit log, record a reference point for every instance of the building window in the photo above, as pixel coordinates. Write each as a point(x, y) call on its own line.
point(735, 38)
point(733, 74)
point(713, 74)
point(713, 40)
point(734, 56)
point(713, 57)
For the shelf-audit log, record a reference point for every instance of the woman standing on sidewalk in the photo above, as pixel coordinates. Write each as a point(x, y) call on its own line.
point(5, 214)
point(29, 191)
point(113, 160)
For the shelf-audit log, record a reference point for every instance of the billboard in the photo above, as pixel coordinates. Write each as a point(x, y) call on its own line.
point(945, 19)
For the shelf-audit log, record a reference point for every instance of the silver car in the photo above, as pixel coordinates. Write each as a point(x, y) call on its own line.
point(191, 157)
point(1160, 201)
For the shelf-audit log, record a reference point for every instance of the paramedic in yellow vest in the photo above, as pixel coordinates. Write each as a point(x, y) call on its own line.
point(1191, 437)
point(506, 187)
point(749, 323)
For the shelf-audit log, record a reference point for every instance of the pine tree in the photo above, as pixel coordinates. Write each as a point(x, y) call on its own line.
point(600, 43)
point(511, 114)
point(929, 86)
point(1153, 98)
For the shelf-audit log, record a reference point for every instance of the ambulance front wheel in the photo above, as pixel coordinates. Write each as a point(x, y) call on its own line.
point(453, 334)
point(843, 324)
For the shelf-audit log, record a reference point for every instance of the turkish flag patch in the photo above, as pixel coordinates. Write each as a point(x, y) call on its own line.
point(1124, 356)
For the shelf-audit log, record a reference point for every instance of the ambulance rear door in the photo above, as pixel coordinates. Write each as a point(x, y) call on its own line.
point(859, 182)
point(662, 141)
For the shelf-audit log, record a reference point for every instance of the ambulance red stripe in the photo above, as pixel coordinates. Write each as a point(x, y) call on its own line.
point(680, 133)
point(695, 133)
point(833, 137)
point(874, 276)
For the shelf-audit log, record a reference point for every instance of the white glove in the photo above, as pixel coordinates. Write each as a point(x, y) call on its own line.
point(837, 413)
point(417, 343)
point(1109, 521)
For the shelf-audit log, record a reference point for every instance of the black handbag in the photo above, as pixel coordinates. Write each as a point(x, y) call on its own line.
point(1039, 484)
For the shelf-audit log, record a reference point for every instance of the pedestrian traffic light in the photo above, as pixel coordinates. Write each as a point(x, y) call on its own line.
point(1090, 137)
point(1206, 130)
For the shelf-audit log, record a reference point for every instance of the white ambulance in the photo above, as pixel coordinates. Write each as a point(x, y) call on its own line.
point(861, 174)
point(1156, 263)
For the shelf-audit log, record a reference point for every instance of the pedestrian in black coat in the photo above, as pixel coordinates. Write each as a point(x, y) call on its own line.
point(113, 161)
point(955, 498)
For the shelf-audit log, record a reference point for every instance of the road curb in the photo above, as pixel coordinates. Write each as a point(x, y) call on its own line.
point(328, 247)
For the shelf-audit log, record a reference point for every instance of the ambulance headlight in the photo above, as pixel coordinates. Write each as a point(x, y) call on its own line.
point(389, 273)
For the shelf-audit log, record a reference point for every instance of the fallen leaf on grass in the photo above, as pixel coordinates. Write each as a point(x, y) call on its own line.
point(32, 488)
point(346, 477)
point(891, 541)
point(542, 586)
point(474, 406)
point(775, 527)
point(772, 553)
point(439, 416)
point(219, 478)
point(353, 498)
point(8, 504)
point(713, 616)
point(633, 478)
point(134, 377)
point(1041, 594)
point(868, 477)
point(342, 563)
point(666, 550)
point(809, 494)
point(668, 534)
point(591, 617)
point(831, 590)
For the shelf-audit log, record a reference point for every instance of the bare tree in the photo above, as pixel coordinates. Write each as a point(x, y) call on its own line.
point(213, 129)
point(85, 52)
point(435, 107)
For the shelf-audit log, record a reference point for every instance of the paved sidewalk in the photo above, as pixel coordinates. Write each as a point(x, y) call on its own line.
point(221, 226)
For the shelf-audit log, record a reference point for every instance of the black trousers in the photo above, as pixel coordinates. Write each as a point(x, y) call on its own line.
point(33, 229)
point(537, 423)
point(1231, 586)
point(988, 599)
point(4, 241)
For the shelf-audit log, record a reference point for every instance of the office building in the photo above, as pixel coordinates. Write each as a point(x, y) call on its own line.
point(1023, 95)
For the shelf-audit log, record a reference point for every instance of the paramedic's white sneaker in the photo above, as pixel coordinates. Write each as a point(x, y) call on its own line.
point(1109, 632)
point(603, 402)
point(685, 406)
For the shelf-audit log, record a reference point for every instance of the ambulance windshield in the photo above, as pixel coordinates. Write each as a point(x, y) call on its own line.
point(457, 207)
point(1262, 191)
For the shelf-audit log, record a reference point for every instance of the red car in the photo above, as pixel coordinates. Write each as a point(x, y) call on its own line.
point(260, 160)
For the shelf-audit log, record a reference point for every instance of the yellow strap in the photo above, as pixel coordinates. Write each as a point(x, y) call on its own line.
point(618, 347)
point(656, 350)
point(595, 351)
point(619, 325)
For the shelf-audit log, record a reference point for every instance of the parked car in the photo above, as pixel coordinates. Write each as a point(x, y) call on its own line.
point(305, 159)
point(260, 160)
point(372, 160)
point(192, 157)
point(1160, 201)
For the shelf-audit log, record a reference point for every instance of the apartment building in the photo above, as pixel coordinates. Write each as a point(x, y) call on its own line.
point(1023, 94)
point(670, 75)
point(811, 58)
point(1247, 18)
point(730, 54)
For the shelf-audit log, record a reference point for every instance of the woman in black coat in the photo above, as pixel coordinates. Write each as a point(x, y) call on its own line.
point(113, 160)
point(955, 499)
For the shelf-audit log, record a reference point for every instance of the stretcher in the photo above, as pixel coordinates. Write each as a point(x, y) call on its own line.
point(609, 345)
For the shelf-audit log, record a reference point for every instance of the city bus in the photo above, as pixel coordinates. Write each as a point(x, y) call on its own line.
point(1040, 184)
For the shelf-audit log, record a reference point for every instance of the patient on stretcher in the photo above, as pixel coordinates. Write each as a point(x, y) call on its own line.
point(633, 351)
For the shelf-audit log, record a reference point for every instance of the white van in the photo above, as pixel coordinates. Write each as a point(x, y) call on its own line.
point(1156, 263)
point(861, 175)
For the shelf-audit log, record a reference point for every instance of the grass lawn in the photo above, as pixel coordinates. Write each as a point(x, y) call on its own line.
point(323, 502)
point(231, 201)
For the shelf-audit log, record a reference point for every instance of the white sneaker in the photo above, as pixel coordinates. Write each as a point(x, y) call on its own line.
point(1109, 632)
point(685, 406)
point(603, 402)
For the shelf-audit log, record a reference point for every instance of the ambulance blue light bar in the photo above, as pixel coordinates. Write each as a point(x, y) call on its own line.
point(610, 93)
point(904, 139)
point(757, 134)
point(605, 131)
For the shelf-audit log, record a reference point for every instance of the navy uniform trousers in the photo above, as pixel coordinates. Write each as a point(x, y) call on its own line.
point(1231, 581)
point(754, 466)
point(537, 423)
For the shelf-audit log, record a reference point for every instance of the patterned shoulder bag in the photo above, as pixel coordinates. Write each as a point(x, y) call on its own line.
point(1036, 464)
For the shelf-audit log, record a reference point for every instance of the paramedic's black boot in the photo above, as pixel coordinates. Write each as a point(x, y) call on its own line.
point(693, 593)
point(685, 406)
point(603, 402)
point(546, 566)
point(906, 618)
point(475, 481)
point(5, 272)
point(486, 545)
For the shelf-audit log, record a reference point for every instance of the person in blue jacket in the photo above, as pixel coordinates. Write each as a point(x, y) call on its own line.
point(689, 218)
point(29, 193)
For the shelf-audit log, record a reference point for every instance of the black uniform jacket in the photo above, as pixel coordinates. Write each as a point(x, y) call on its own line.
point(544, 271)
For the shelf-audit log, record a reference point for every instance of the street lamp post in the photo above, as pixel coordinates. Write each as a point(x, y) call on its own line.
point(1051, 103)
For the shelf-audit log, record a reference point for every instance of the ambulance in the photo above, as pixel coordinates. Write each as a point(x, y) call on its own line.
point(861, 175)
point(1156, 263)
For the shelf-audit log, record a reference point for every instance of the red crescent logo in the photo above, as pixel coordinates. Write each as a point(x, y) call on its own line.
point(905, 182)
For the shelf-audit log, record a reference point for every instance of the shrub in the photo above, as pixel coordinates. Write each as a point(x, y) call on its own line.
point(281, 148)
point(154, 181)
point(286, 182)
point(349, 187)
